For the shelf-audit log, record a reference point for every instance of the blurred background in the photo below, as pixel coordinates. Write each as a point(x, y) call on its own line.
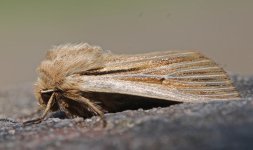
point(220, 29)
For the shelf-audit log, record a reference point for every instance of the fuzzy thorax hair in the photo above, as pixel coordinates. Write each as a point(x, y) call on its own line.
point(66, 60)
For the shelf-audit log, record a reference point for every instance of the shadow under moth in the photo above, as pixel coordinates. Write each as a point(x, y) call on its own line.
point(83, 80)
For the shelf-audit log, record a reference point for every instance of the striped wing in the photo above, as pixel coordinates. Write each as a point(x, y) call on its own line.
point(179, 76)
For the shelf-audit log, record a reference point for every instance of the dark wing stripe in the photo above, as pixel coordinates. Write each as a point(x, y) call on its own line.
point(207, 83)
point(209, 89)
point(195, 69)
point(185, 64)
point(196, 76)
point(165, 77)
point(200, 93)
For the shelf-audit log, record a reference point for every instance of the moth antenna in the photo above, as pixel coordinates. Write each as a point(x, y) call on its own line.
point(91, 106)
point(48, 91)
point(38, 120)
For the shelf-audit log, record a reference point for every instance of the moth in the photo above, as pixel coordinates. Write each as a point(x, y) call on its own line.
point(83, 80)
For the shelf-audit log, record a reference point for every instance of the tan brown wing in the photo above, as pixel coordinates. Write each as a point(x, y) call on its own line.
point(180, 76)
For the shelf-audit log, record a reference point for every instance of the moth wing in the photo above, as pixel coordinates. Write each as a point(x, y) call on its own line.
point(174, 75)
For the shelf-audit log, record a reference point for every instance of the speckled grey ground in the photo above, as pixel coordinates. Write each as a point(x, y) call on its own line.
point(214, 125)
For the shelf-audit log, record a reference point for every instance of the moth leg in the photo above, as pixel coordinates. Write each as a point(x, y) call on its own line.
point(95, 108)
point(48, 107)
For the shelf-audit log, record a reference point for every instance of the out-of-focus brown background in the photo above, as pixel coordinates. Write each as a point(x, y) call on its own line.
point(223, 30)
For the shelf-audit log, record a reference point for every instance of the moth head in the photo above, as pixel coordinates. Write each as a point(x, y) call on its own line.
point(63, 61)
point(43, 93)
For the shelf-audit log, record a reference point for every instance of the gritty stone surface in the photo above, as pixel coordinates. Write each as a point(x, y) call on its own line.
point(213, 125)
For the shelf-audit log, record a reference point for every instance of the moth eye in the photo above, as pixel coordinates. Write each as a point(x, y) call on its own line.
point(46, 96)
